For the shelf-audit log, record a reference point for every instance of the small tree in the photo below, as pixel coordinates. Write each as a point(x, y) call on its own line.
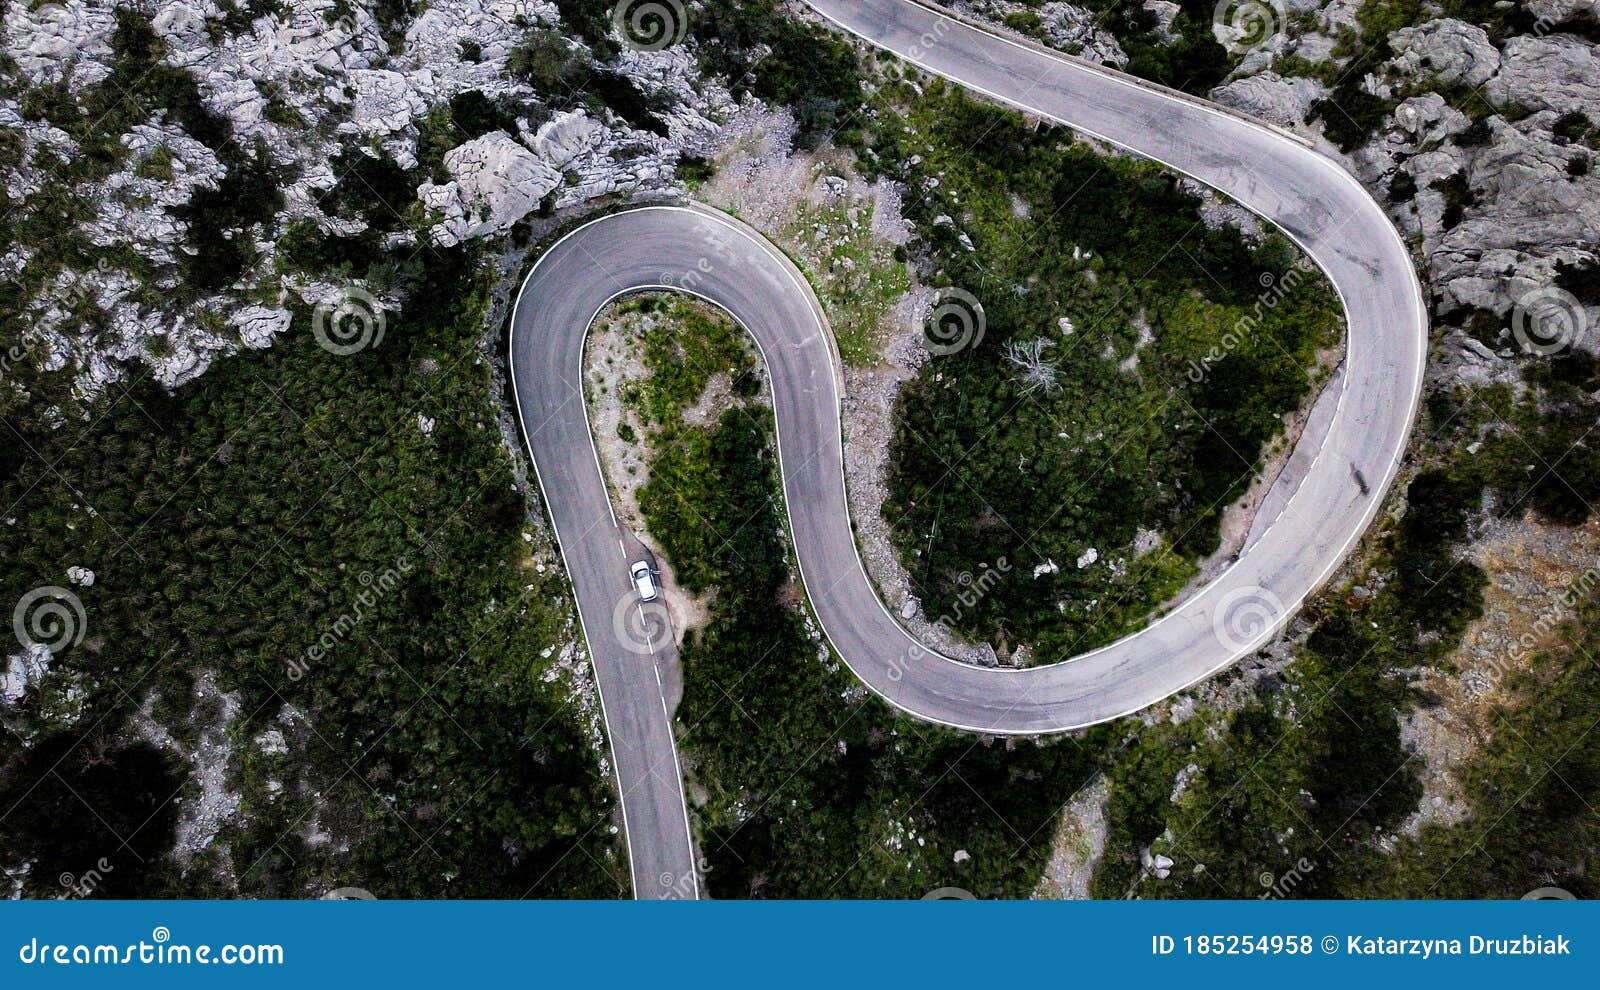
point(1027, 356)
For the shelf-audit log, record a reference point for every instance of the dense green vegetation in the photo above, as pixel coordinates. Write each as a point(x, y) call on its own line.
point(232, 524)
point(1187, 346)
point(1313, 769)
point(750, 43)
point(784, 61)
point(1195, 63)
point(813, 788)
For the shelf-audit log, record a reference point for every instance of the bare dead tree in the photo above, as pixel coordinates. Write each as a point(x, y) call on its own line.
point(1027, 356)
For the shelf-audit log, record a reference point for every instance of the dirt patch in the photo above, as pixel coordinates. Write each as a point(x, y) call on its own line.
point(1080, 840)
point(613, 364)
point(842, 230)
point(613, 359)
point(1537, 576)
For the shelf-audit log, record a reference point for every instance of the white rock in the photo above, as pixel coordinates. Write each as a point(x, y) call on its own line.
point(1284, 101)
point(1559, 72)
point(566, 137)
point(1446, 51)
point(258, 325)
point(272, 742)
point(56, 41)
point(22, 670)
point(1088, 557)
point(1161, 866)
point(496, 183)
point(81, 576)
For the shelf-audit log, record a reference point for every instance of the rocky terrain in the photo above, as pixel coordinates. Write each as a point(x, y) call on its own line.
point(1484, 160)
point(163, 163)
point(285, 93)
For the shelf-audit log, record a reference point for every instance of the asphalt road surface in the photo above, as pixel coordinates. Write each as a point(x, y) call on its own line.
point(1307, 195)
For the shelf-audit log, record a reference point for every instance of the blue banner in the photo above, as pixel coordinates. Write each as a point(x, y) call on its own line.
point(261, 943)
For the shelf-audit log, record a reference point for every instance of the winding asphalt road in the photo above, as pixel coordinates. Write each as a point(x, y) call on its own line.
point(1307, 195)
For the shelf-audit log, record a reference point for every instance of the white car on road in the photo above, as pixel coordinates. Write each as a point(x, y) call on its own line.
point(644, 580)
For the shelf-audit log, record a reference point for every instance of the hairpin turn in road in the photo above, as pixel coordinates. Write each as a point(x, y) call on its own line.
point(1307, 195)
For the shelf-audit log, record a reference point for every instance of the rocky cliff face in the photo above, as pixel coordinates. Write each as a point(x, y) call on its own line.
point(293, 90)
point(1485, 159)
